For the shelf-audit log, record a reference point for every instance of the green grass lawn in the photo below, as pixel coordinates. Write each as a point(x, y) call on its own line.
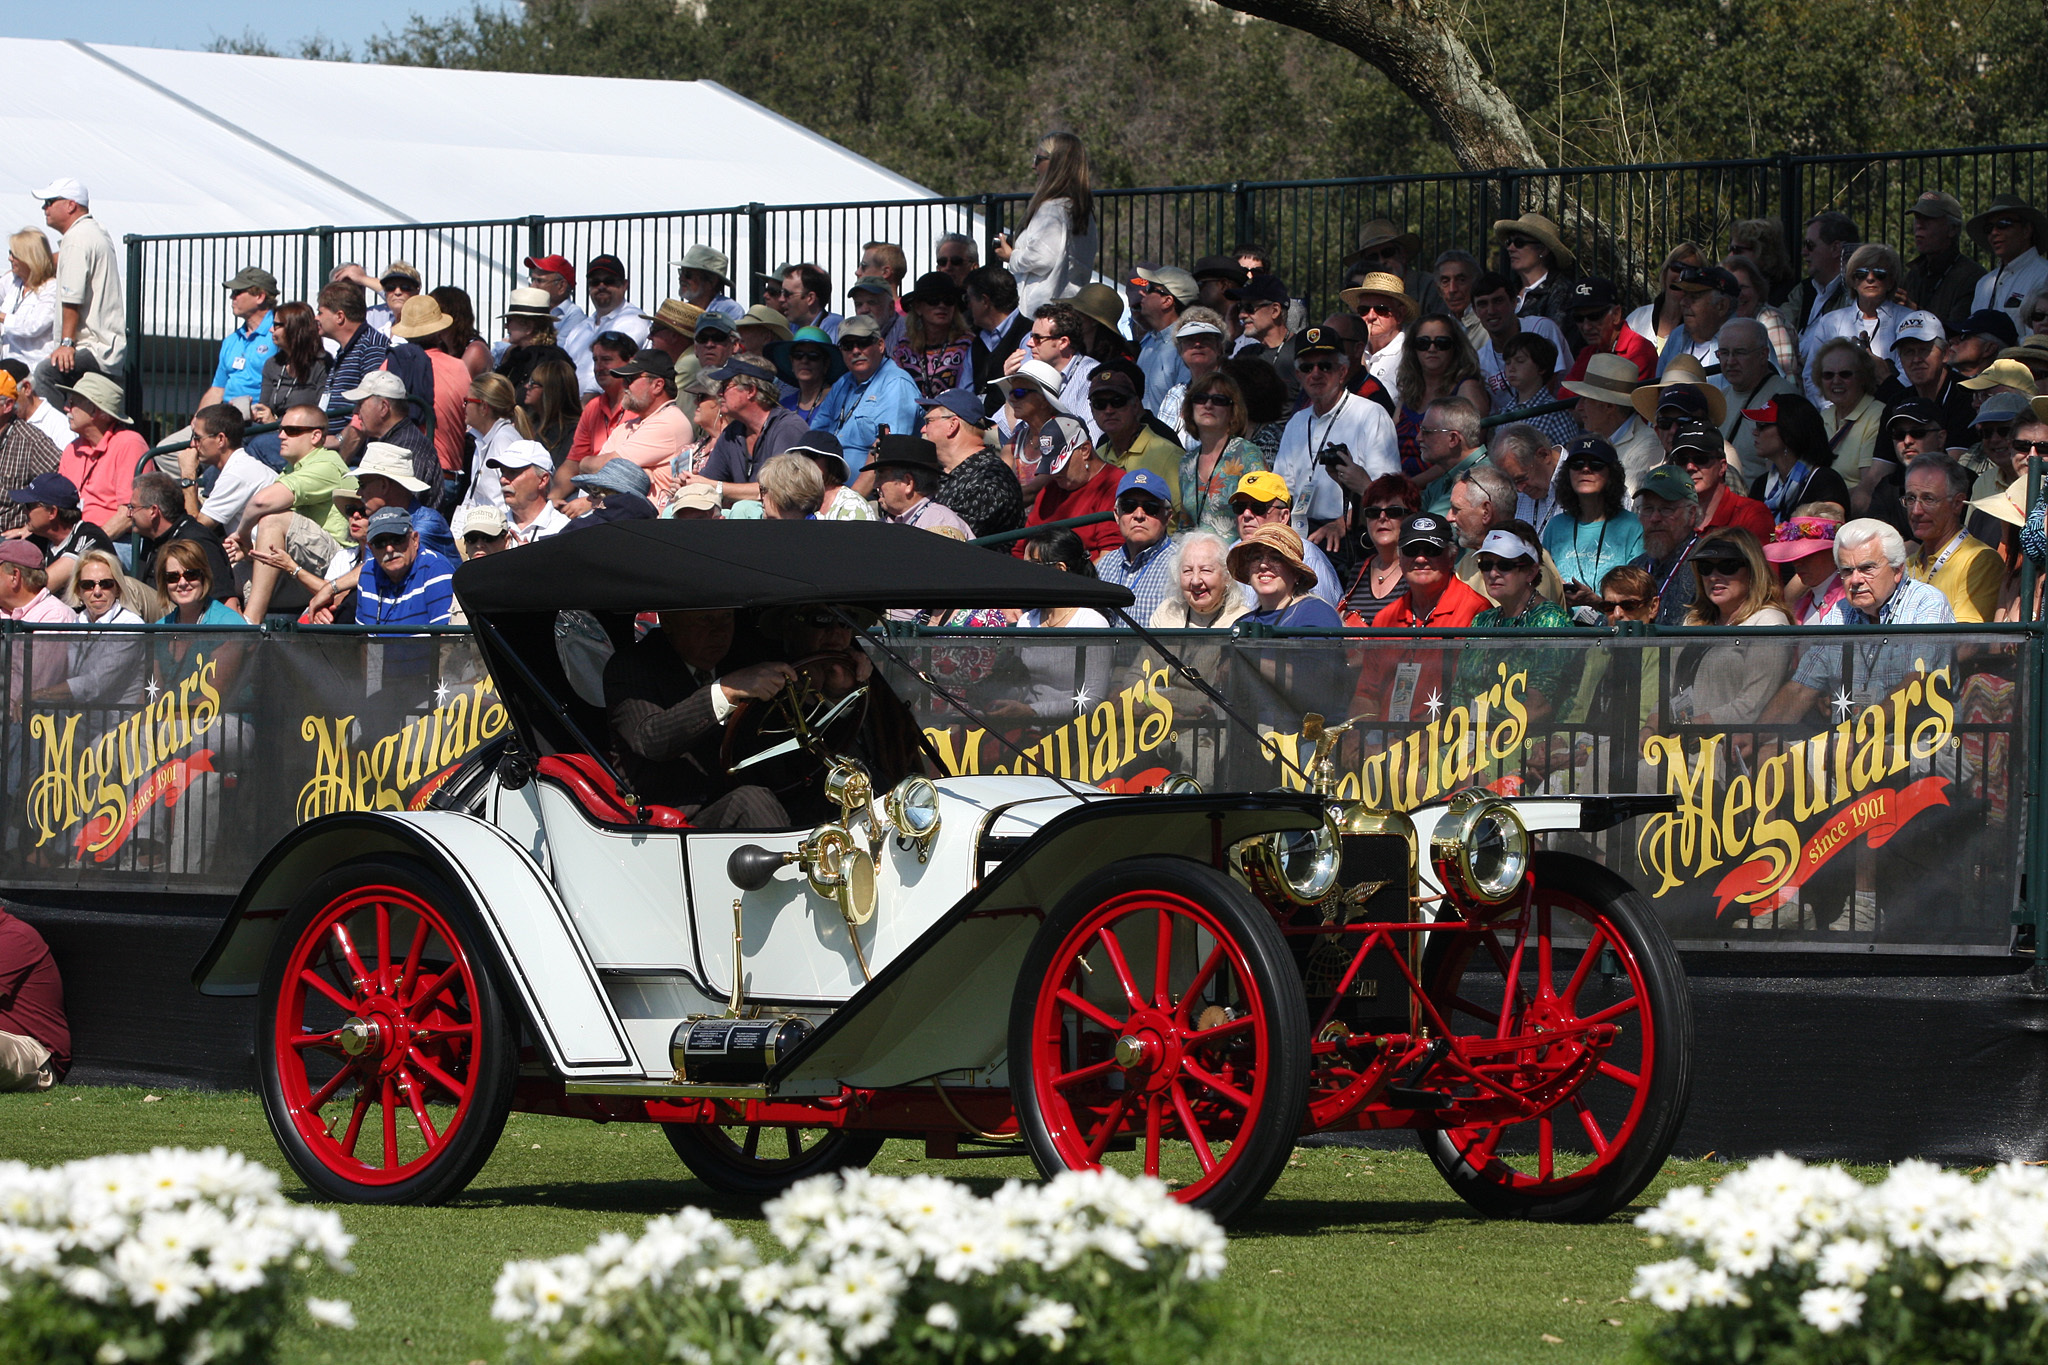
point(1356, 1255)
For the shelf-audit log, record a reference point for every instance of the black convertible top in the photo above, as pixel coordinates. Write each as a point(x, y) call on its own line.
point(671, 565)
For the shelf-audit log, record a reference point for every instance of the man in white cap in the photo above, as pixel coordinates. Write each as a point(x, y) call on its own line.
point(525, 473)
point(383, 415)
point(1606, 410)
point(702, 276)
point(1166, 292)
point(1920, 350)
point(92, 334)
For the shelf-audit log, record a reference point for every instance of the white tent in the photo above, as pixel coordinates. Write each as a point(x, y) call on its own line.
point(174, 142)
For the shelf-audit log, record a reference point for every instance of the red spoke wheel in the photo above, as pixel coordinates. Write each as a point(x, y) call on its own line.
point(760, 1161)
point(386, 1055)
point(1572, 1054)
point(1160, 1012)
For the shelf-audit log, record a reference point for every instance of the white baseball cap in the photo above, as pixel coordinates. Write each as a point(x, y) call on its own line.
point(378, 384)
point(1921, 325)
point(1197, 328)
point(521, 455)
point(1508, 545)
point(66, 187)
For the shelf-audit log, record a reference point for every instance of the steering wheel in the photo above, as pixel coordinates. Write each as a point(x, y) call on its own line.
point(780, 743)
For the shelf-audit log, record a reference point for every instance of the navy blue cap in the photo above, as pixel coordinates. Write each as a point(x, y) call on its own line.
point(51, 489)
point(1144, 481)
point(962, 403)
point(1586, 444)
point(1993, 322)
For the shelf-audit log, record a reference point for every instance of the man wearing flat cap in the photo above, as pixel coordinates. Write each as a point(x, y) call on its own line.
point(1941, 279)
point(2012, 232)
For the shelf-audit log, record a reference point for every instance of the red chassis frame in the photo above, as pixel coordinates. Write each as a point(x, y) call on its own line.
point(1540, 1055)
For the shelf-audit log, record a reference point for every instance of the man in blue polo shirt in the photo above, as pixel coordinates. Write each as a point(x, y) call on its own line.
point(1142, 561)
point(873, 396)
point(252, 294)
point(407, 584)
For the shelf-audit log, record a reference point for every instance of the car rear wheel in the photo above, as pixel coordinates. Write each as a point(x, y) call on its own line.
point(1159, 1006)
point(1577, 1009)
point(386, 1055)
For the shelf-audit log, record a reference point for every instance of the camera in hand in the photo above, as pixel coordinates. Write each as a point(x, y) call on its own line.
point(1334, 456)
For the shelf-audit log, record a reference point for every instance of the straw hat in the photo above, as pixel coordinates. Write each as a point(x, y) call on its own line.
point(1282, 540)
point(2005, 503)
point(1609, 379)
point(1543, 230)
point(1383, 284)
point(1683, 372)
point(529, 303)
point(421, 317)
point(679, 317)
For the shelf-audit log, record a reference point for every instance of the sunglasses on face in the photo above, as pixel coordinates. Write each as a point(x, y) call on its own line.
point(96, 585)
point(1434, 344)
point(1518, 243)
point(1108, 398)
point(301, 431)
point(1903, 430)
point(1257, 505)
point(1669, 419)
point(2002, 224)
point(948, 262)
point(1042, 338)
point(1392, 512)
point(1489, 564)
point(1318, 367)
point(1995, 430)
point(1587, 466)
point(469, 538)
point(1870, 272)
point(1384, 310)
point(2030, 447)
point(1720, 568)
point(1837, 376)
point(176, 576)
point(609, 281)
point(1131, 506)
point(1215, 400)
point(1695, 459)
point(853, 343)
point(1610, 605)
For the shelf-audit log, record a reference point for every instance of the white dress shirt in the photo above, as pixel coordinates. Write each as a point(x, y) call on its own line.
point(1358, 423)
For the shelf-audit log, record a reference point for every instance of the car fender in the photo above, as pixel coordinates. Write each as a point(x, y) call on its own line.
point(543, 960)
point(1543, 815)
point(943, 1004)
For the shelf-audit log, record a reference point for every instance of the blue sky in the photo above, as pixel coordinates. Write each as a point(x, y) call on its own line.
point(195, 23)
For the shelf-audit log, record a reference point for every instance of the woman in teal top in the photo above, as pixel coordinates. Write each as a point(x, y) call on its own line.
point(1590, 535)
point(187, 584)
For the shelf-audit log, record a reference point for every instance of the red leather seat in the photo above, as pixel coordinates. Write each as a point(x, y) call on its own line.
point(586, 780)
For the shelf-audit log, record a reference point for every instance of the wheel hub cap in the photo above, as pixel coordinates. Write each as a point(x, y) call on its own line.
point(1130, 1052)
point(357, 1036)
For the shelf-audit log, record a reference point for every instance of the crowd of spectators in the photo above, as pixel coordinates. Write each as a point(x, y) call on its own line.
point(1467, 441)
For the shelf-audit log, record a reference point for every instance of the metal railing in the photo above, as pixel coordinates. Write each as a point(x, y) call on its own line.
point(1623, 219)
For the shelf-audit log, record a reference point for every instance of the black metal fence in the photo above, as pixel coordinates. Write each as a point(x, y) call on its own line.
point(1621, 218)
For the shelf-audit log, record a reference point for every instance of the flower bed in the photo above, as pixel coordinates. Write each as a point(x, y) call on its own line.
point(1793, 1262)
point(173, 1255)
point(1088, 1267)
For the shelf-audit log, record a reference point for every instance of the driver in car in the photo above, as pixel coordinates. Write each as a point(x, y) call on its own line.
point(668, 706)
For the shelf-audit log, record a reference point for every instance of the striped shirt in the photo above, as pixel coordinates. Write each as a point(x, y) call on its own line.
point(366, 351)
point(422, 598)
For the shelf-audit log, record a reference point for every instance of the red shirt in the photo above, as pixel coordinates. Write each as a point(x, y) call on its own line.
point(103, 474)
point(1097, 495)
point(1735, 510)
point(600, 418)
point(31, 992)
point(1376, 683)
point(1631, 346)
point(451, 411)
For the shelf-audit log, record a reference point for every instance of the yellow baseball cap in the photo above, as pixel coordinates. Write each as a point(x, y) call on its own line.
point(1264, 485)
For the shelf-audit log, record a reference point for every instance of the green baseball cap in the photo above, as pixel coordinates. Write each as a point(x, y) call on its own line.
point(253, 277)
point(1670, 483)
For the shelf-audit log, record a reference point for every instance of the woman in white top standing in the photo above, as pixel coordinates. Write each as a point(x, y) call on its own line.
point(28, 328)
point(1055, 253)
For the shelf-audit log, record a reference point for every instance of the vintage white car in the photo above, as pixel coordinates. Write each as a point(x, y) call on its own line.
point(1194, 978)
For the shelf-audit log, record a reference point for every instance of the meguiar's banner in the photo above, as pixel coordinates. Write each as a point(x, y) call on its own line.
point(1880, 809)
